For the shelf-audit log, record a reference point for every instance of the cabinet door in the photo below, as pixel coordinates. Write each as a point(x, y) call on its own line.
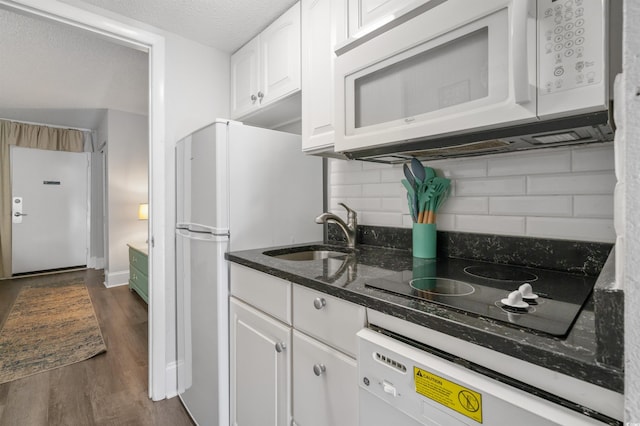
point(322, 28)
point(245, 65)
point(325, 383)
point(367, 15)
point(260, 355)
point(280, 57)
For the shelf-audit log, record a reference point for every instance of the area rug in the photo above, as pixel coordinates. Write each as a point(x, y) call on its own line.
point(48, 327)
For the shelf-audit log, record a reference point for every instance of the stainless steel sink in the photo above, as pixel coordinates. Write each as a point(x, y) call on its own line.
point(306, 253)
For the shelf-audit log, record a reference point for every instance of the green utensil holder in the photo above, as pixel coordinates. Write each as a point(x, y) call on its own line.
point(424, 240)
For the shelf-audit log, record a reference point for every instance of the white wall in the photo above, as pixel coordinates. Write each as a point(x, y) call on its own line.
point(629, 173)
point(564, 193)
point(127, 186)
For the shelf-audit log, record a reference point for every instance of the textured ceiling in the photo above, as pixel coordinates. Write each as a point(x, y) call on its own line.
point(47, 65)
point(57, 74)
point(223, 24)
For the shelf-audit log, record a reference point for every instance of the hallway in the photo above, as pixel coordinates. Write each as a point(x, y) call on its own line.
point(109, 389)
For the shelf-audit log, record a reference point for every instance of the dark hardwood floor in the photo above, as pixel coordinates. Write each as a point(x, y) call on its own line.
point(109, 389)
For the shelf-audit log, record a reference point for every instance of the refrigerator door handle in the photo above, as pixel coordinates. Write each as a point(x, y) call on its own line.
point(201, 236)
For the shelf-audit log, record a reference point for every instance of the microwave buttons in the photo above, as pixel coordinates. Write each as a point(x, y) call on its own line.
point(568, 53)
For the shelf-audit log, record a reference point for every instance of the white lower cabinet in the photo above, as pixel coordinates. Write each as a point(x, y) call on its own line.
point(289, 369)
point(260, 354)
point(325, 384)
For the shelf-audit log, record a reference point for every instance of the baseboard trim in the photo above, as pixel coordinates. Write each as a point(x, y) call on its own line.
point(171, 378)
point(96, 262)
point(115, 279)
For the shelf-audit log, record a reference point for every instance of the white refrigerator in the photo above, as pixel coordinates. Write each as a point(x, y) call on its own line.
point(238, 187)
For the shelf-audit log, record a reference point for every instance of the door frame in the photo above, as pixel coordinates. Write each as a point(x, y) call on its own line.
point(154, 44)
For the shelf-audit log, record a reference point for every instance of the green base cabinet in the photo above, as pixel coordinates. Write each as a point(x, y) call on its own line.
point(138, 267)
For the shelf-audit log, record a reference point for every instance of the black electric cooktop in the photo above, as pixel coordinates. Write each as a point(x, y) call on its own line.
point(485, 289)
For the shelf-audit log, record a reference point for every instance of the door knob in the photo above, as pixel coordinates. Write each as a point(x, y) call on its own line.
point(18, 214)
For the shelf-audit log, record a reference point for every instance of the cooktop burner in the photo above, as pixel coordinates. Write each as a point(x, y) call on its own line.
point(500, 273)
point(441, 286)
point(538, 299)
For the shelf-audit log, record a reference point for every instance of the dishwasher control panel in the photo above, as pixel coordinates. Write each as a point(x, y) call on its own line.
point(402, 382)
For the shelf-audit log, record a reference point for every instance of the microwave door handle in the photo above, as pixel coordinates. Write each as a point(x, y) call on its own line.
point(519, 50)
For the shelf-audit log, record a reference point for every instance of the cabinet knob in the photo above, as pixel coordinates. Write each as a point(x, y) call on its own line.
point(280, 346)
point(253, 99)
point(319, 302)
point(319, 369)
point(260, 95)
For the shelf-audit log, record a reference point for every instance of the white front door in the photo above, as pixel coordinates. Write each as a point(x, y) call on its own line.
point(49, 209)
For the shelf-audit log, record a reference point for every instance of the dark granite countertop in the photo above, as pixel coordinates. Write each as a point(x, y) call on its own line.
point(582, 354)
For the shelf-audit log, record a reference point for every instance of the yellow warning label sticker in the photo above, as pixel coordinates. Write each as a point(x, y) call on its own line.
point(463, 400)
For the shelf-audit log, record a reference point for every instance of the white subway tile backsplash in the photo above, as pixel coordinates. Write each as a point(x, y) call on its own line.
point(381, 218)
point(445, 222)
point(355, 177)
point(501, 225)
point(395, 205)
point(554, 205)
point(514, 185)
point(466, 168)
point(391, 175)
point(336, 165)
point(587, 158)
point(533, 162)
point(466, 205)
point(337, 191)
point(572, 228)
point(383, 189)
point(564, 193)
point(572, 183)
point(358, 204)
point(593, 206)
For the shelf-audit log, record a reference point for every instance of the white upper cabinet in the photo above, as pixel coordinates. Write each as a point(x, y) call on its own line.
point(245, 70)
point(323, 26)
point(368, 18)
point(267, 68)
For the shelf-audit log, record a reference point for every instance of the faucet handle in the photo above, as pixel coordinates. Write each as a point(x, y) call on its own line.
point(351, 214)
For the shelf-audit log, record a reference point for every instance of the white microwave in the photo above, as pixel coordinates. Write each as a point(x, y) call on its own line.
point(468, 77)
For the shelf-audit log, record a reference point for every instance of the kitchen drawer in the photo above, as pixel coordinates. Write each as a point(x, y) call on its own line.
point(327, 318)
point(138, 259)
point(325, 384)
point(269, 294)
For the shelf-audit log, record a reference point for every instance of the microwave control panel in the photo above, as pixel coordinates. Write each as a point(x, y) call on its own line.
point(570, 44)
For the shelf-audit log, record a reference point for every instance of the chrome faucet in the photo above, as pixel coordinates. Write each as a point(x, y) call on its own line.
point(348, 228)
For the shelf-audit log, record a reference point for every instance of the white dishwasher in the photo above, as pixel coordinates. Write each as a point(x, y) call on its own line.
point(401, 385)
